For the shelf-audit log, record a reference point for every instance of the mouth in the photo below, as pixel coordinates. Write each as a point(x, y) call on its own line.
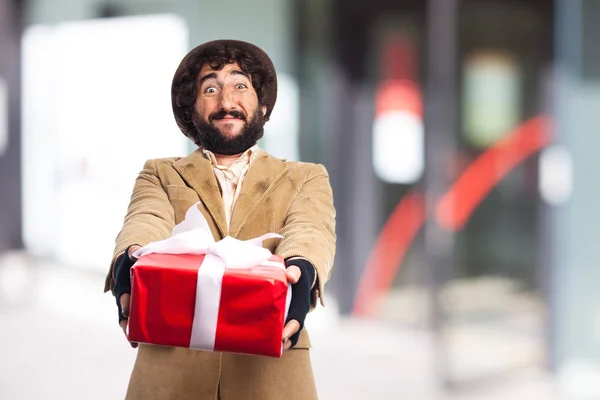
point(234, 121)
point(228, 118)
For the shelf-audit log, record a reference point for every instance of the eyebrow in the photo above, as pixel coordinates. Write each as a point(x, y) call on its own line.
point(238, 72)
point(213, 75)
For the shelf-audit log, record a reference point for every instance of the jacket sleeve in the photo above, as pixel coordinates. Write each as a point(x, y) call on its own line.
point(150, 216)
point(309, 228)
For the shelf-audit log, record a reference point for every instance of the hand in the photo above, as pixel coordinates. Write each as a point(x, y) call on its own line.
point(122, 286)
point(299, 273)
point(289, 330)
point(293, 274)
point(125, 300)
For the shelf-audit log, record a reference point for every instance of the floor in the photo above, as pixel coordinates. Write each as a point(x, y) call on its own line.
point(59, 339)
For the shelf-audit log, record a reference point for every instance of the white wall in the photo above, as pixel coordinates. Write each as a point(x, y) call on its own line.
point(269, 24)
point(266, 23)
point(73, 206)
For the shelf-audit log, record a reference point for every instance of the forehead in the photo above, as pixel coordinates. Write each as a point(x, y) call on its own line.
point(220, 73)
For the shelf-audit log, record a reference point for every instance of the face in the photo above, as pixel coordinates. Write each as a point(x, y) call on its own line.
point(228, 116)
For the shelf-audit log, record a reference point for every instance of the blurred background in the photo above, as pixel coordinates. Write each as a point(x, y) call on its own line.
point(461, 137)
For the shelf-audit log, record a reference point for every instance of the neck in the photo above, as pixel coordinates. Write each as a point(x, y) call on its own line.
point(226, 161)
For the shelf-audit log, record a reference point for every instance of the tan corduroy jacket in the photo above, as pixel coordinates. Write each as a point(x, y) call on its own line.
point(290, 198)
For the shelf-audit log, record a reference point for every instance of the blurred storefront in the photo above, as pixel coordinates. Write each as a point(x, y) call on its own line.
point(457, 211)
point(459, 136)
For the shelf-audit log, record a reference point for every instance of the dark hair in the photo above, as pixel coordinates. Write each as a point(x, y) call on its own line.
point(251, 59)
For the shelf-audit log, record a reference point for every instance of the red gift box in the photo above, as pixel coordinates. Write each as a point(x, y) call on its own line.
point(192, 300)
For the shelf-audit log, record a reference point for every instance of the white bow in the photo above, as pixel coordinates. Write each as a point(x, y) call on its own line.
point(193, 236)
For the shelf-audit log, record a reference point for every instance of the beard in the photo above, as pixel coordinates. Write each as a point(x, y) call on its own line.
point(209, 137)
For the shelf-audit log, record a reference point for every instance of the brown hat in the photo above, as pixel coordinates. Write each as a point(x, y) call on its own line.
point(249, 57)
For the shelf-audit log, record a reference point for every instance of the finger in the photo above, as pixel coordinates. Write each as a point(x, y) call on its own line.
point(124, 327)
point(290, 328)
point(124, 300)
point(132, 250)
point(287, 345)
point(293, 274)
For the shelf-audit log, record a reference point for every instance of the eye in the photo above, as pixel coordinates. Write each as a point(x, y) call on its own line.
point(240, 86)
point(210, 90)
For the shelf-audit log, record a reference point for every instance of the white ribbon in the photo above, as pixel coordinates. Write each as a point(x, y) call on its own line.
point(193, 236)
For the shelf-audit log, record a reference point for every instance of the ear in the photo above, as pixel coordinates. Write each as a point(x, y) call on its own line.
point(264, 110)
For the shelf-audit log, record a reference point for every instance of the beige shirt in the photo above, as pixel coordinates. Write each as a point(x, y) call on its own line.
point(231, 178)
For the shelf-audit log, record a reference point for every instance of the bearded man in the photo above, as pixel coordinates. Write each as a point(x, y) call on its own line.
point(223, 93)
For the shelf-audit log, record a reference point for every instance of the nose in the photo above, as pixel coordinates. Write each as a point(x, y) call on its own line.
point(227, 102)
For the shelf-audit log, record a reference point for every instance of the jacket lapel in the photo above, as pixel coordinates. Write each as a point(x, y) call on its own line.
point(263, 174)
point(197, 171)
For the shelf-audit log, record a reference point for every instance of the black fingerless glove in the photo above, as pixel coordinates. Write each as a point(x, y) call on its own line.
point(300, 303)
point(122, 284)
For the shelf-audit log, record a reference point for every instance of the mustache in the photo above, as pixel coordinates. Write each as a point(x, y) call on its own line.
point(222, 114)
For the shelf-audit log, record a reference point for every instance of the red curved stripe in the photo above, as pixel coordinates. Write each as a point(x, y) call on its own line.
point(394, 241)
point(452, 210)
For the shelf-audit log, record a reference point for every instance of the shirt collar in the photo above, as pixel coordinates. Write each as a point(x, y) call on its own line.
point(246, 157)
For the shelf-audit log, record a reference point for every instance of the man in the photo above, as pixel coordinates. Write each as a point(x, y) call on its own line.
point(222, 94)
